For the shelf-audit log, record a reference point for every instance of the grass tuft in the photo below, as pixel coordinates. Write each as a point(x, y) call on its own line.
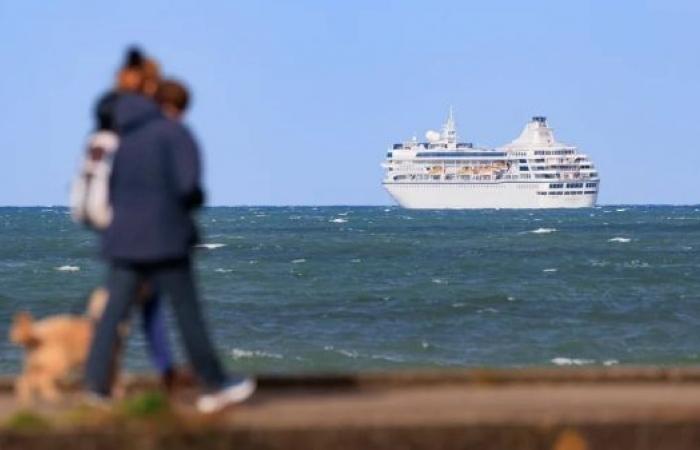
point(27, 421)
point(145, 406)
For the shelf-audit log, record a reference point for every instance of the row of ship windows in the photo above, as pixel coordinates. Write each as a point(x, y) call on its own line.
point(428, 145)
point(571, 185)
point(551, 175)
point(537, 152)
point(447, 163)
point(489, 177)
point(566, 193)
point(453, 177)
point(555, 166)
point(459, 154)
point(554, 152)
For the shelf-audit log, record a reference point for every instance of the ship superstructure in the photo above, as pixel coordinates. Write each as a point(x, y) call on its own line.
point(533, 171)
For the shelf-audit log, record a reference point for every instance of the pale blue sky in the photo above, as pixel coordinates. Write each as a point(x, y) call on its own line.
point(296, 101)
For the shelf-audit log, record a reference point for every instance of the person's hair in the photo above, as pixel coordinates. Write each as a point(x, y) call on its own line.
point(138, 73)
point(173, 93)
point(134, 58)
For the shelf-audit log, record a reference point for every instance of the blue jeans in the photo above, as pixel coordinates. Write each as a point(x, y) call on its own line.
point(156, 335)
point(175, 280)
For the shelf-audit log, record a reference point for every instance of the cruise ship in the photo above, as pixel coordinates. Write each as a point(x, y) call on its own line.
point(533, 171)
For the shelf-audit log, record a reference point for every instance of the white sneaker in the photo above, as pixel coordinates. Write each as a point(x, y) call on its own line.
point(236, 392)
point(97, 401)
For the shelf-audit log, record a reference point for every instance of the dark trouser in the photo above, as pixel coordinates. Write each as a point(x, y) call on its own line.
point(174, 280)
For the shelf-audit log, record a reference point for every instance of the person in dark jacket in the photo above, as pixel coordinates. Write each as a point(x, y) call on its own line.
point(154, 187)
point(137, 75)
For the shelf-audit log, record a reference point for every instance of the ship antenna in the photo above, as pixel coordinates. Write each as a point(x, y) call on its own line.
point(450, 129)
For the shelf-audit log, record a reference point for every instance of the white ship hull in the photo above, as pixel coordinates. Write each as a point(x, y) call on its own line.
point(516, 195)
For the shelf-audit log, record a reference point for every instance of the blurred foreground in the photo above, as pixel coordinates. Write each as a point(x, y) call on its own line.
point(560, 409)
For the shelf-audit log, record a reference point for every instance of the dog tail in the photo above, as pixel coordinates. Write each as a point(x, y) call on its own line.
point(22, 330)
point(96, 303)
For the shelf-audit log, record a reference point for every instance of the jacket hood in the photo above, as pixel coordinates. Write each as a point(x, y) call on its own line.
point(132, 110)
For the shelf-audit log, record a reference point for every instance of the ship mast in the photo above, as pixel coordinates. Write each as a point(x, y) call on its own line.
point(449, 130)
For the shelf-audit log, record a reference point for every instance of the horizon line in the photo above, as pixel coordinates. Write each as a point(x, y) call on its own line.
point(347, 205)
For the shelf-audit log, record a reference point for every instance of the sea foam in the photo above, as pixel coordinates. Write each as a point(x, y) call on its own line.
point(619, 239)
point(239, 353)
point(561, 361)
point(543, 230)
point(68, 268)
point(212, 246)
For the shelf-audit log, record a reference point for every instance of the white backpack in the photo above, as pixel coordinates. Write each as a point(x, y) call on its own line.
point(89, 196)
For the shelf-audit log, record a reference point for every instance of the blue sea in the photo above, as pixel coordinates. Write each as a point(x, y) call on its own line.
point(299, 289)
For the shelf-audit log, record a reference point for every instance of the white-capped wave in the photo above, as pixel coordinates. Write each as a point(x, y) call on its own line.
point(487, 310)
point(239, 353)
point(562, 361)
point(349, 353)
point(298, 261)
point(621, 209)
point(549, 270)
point(439, 281)
point(68, 268)
point(636, 264)
point(222, 270)
point(619, 239)
point(610, 362)
point(390, 358)
point(338, 220)
point(543, 230)
point(356, 260)
point(212, 246)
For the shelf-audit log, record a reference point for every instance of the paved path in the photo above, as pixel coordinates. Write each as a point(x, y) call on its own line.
point(574, 410)
point(471, 405)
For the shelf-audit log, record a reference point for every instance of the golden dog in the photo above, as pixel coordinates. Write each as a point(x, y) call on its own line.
point(54, 347)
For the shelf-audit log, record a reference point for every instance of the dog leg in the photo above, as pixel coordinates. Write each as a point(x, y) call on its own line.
point(48, 389)
point(23, 390)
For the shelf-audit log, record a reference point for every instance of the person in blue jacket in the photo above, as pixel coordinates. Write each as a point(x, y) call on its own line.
point(155, 186)
point(138, 75)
